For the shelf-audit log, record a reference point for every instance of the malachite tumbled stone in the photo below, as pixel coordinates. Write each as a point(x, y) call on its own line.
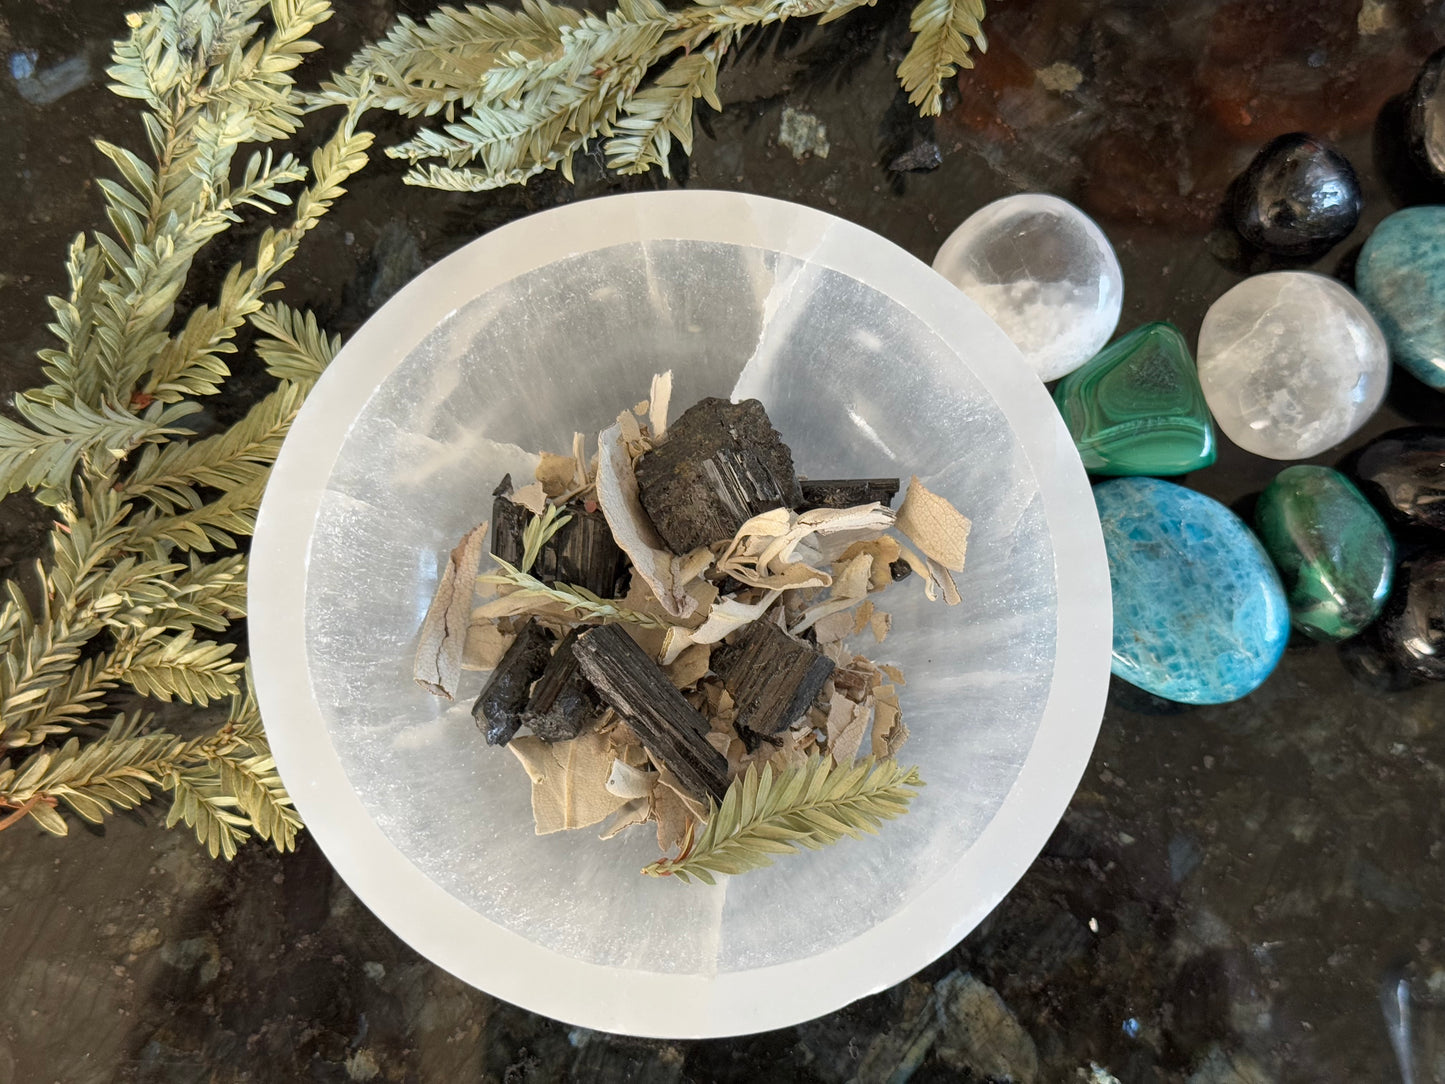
point(1137, 407)
point(1401, 279)
point(1199, 613)
point(1333, 552)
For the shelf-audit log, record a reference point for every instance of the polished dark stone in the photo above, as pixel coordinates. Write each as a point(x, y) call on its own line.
point(1425, 116)
point(1298, 197)
point(1403, 473)
point(1411, 631)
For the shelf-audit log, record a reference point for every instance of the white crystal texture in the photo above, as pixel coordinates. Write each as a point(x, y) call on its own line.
point(1291, 364)
point(868, 366)
point(1046, 274)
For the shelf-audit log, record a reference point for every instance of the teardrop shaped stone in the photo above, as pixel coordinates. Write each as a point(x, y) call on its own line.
point(1403, 472)
point(1333, 552)
point(1298, 197)
point(1401, 280)
point(1137, 407)
point(1411, 631)
point(1199, 613)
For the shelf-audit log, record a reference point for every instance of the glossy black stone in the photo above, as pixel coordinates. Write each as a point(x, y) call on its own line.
point(1425, 116)
point(1411, 631)
point(1297, 198)
point(1403, 473)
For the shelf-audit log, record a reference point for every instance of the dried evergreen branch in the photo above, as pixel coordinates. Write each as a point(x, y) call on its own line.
point(583, 601)
point(943, 29)
point(811, 805)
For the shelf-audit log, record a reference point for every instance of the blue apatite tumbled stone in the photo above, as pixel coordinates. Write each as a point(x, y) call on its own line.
point(1199, 613)
point(1401, 279)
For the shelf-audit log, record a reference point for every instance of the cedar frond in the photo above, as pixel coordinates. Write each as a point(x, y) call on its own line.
point(811, 805)
point(943, 29)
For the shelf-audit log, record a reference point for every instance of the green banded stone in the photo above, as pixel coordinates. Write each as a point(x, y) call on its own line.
point(1137, 407)
point(1334, 554)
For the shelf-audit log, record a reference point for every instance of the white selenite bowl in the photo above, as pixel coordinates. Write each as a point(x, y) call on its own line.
point(869, 364)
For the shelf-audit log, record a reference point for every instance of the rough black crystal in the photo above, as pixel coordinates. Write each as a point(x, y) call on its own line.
point(721, 464)
point(498, 710)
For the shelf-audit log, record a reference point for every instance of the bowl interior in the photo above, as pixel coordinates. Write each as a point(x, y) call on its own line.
point(858, 385)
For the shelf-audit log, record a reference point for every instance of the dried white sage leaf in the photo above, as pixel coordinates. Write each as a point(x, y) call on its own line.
point(438, 664)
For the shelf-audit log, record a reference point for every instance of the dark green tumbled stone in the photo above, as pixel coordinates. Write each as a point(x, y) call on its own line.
point(1333, 551)
point(1137, 407)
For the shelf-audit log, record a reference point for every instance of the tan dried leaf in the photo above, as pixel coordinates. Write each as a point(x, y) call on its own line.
point(531, 497)
point(665, 778)
point(880, 623)
point(556, 473)
point(636, 811)
point(945, 580)
point(569, 780)
point(438, 664)
point(834, 628)
point(933, 525)
point(847, 725)
point(485, 646)
point(658, 402)
point(672, 815)
point(895, 675)
point(862, 616)
point(691, 666)
point(885, 551)
point(631, 430)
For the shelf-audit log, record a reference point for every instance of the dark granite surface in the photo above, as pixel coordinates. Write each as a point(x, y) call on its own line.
point(1240, 894)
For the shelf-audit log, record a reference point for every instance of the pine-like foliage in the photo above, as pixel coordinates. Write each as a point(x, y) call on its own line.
point(520, 92)
point(143, 568)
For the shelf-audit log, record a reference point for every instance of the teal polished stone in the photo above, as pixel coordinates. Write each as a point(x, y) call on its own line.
point(1332, 549)
point(1199, 613)
point(1137, 407)
point(1401, 279)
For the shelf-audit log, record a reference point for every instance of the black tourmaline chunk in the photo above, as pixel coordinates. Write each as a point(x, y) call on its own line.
point(498, 711)
point(771, 676)
point(509, 520)
point(670, 728)
point(721, 464)
point(582, 553)
point(563, 700)
point(846, 492)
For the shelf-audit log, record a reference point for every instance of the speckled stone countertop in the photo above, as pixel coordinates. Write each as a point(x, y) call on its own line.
point(1237, 894)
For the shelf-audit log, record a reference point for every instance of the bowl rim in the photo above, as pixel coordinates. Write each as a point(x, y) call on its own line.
point(504, 963)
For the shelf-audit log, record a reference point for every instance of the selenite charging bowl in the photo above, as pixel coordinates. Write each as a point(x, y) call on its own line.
point(869, 364)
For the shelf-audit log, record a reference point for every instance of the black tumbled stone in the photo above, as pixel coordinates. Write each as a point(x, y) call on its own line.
point(1403, 473)
point(1411, 631)
point(1298, 197)
point(1425, 116)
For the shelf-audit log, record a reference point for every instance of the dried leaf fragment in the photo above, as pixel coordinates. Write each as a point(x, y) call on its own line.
point(556, 473)
point(933, 525)
point(657, 404)
point(569, 780)
point(438, 665)
point(847, 725)
point(531, 497)
point(485, 645)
